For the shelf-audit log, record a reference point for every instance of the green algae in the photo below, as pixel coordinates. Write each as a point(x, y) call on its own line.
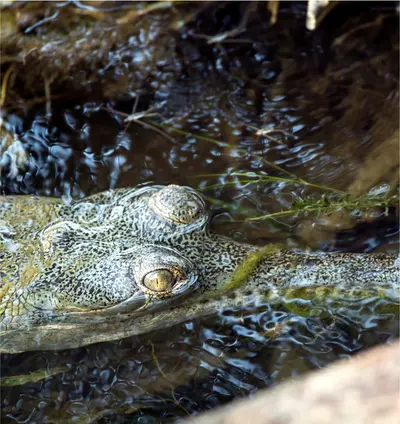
point(33, 377)
point(241, 274)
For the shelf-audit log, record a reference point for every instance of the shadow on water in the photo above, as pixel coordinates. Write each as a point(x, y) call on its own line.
point(324, 102)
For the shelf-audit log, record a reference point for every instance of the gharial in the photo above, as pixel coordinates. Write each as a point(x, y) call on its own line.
point(129, 261)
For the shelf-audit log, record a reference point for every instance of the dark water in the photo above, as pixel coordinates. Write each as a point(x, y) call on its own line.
point(332, 104)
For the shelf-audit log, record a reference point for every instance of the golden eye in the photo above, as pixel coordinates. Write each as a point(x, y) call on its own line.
point(160, 280)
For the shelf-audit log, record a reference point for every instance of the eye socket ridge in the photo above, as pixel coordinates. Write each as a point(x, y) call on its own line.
point(178, 204)
point(163, 279)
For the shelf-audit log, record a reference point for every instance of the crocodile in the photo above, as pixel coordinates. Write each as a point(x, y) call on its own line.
point(132, 260)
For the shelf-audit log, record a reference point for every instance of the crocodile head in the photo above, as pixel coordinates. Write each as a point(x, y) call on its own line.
point(106, 257)
point(129, 261)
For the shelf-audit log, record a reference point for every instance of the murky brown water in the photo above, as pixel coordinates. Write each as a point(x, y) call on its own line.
point(332, 105)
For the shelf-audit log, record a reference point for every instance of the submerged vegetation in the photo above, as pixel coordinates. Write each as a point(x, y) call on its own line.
point(330, 201)
point(19, 380)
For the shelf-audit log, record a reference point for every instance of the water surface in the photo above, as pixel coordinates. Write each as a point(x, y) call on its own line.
point(332, 104)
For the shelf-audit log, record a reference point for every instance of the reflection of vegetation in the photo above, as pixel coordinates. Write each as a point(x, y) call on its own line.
point(228, 146)
point(313, 301)
point(176, 401)
point(316, 301)
point(253, 178)
point(259, 178)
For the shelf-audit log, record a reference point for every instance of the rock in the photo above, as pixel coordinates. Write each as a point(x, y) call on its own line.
point(363, 389)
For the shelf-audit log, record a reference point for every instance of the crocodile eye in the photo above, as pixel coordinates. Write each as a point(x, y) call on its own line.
point(161, 280)
point(160, 272)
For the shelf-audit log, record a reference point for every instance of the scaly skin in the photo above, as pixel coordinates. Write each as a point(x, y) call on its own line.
point(129, 261)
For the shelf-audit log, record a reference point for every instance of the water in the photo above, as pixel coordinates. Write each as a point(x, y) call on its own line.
point(333, 104)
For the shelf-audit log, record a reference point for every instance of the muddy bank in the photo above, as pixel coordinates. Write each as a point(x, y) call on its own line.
point(53, 51)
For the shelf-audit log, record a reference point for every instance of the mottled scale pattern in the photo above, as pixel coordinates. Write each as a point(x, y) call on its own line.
point(67, 267)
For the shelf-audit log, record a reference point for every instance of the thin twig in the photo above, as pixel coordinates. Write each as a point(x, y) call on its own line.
point(222, 144)
point(155, 359)
point(43, 99)
point(134, 15)
point(378, 21)
point(313, 8)
point(189, 17)
point(4, 84)
point(225, 40)
point(53, 17)
point(273, 6)
point(47, 93)
point(218, 38)
point(264, 132)
point(146, 125)
point(133, 110)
